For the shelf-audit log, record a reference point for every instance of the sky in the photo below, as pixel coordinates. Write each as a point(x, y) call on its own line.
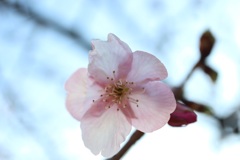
point(36, 61)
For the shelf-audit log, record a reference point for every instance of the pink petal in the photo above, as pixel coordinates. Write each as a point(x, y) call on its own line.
point(146, 67)
point(81, 91)
point(154, 107)
point(182, 116)
point(103, 130)
point(109, 56)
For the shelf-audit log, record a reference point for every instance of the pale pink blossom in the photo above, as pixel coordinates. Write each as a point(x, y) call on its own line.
point(118, 90)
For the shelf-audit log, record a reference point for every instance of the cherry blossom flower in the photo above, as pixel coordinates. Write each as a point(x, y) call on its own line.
point(118, 90)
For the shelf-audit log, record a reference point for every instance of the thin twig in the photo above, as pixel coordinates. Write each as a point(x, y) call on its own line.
point(134, 138)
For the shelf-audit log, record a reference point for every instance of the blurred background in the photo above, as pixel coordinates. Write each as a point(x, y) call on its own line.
point(43, 42)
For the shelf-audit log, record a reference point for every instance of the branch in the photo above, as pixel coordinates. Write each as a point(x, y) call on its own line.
point(134, 138)
point(46, 22)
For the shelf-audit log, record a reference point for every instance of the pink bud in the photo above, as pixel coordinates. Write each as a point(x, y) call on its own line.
point(183, 115)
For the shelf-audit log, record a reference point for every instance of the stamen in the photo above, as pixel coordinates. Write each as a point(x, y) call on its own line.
point(114, 73)
point(118, 91)
point(135, 101)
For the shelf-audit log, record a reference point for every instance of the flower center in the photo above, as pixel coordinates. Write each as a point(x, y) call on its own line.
point(118, 92)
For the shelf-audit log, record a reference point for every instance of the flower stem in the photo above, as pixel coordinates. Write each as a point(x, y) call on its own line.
point(134, 138)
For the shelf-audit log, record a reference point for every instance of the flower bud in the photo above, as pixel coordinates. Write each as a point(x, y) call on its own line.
point(206, 44)
point(183, 115)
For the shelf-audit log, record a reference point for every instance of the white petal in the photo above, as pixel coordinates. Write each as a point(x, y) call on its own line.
point(103, 130)
point(81, 91)
point(154, 107)
point(146, 67)
point(109, 56)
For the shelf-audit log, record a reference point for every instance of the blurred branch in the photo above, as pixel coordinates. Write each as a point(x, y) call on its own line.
point(44, 21)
